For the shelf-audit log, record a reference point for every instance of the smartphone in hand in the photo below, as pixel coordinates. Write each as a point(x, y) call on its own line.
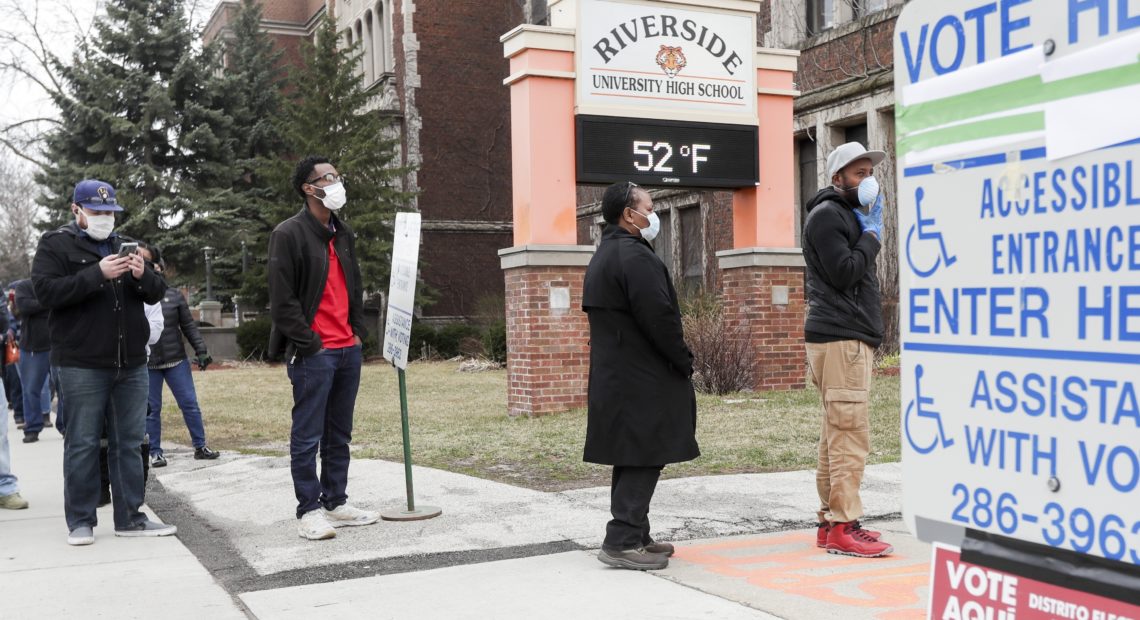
point(128, 248)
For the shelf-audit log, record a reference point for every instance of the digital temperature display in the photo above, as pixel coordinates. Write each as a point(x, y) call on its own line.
point(666, 153)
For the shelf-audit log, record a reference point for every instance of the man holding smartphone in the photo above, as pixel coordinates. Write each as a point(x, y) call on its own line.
point(99, 333)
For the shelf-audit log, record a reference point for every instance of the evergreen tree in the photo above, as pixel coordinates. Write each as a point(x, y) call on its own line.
point(329, 114)
point(139, 111)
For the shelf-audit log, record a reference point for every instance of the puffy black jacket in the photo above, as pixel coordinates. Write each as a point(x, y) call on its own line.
point(842, 289)
point(177, 322)
point(298, 269)
point(34, 334)
point(95, 322)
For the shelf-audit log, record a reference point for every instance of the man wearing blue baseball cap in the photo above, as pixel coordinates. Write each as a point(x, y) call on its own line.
point(99, 334)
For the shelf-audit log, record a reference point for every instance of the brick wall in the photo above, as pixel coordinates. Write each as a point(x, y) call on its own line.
point(461, 269)
point(858, 54)
point(550, 354)
point(774, 332)
point(465, 145)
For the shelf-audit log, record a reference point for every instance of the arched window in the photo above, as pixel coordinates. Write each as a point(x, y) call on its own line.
point(381, 39)
point(368, 53)
point(358, 28)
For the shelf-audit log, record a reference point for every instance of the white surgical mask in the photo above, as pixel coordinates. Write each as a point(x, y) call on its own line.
point(868, 191)
point(335, 196)
point(98, 227)
point(649, 233)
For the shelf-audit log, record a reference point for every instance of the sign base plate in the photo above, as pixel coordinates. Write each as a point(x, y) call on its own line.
point(421, 513)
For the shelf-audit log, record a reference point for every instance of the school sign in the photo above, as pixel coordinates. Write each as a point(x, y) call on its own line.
point(1019, 235)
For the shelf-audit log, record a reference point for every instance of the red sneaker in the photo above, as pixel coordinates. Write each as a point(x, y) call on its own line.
point(824, 528)
point(850, 539)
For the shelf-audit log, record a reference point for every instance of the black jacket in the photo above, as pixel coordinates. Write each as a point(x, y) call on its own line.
point(177, 322)
point(95, 323)
point(298, 269)
point(34, 334)
point(842, 288)
point(642, 408)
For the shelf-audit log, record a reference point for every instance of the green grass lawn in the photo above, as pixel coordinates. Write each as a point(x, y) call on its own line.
point(459, 423)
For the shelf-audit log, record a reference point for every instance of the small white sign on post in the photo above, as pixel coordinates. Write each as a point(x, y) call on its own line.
point(402, 289)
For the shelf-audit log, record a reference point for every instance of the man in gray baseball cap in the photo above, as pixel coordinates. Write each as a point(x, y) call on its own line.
point(843, 328)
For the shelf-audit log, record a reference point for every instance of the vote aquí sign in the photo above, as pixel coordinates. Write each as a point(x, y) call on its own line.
point(1019, 236)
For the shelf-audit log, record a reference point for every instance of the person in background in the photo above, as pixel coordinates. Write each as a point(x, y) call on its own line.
point(35, 361)
point(12, 389)
point(9, 486)
point(168, 363)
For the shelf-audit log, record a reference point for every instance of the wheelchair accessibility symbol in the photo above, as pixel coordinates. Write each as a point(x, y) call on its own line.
point(923, 262)
point(917, 437)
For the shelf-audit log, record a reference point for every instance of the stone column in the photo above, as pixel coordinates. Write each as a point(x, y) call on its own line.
point(547, 332)
point(762, 278)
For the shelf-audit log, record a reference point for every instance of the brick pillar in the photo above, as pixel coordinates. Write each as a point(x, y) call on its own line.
point(547, 332)
point(763, 293)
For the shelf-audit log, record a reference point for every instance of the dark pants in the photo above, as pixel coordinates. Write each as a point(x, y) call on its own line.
point(113, 400)
point(631, 490)
point(35, 366)
point(14, 391)
point(181, 384)
point(324, 395)
point(60, 412)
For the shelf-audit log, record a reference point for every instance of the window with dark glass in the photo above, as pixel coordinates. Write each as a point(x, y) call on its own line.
point(692, 250)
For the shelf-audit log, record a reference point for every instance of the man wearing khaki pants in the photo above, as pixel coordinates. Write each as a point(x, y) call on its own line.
point(843, 328)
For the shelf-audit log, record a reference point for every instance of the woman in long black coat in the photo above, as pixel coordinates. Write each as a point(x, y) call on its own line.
point(642, 408)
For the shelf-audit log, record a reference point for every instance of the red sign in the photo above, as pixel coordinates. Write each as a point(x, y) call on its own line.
point(962, 591)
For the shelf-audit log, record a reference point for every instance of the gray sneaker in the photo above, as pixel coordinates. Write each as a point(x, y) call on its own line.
point(634, 559)
point(81, 536)
point(147, 529)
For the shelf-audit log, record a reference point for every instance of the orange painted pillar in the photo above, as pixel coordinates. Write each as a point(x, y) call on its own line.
point(547, 332)
point(762, 276)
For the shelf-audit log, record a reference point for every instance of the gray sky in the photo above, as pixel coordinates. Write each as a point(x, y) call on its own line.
point(60, 22)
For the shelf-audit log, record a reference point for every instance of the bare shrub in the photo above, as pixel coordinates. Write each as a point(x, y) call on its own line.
point(722, 355)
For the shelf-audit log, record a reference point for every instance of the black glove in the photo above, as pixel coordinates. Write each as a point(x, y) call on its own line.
point(204, 360)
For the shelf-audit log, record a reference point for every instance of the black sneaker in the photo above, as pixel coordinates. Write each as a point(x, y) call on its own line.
point(31, 437)
point(158, 460)
point(20, 424)
point(634, 559)
point(205, 454)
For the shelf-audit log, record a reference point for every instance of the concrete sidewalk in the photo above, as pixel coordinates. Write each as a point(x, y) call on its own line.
point(44, 577)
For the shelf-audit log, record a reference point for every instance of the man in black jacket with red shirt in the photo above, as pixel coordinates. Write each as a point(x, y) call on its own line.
point(316, 301)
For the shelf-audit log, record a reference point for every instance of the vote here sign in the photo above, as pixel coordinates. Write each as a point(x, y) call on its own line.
point(1019, 262)
point(402, 289)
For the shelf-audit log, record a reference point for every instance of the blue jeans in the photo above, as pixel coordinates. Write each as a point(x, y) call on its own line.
point(181, 384)
point(8, 483)
point(34, 369)
point(103, 399)
point(324, 395)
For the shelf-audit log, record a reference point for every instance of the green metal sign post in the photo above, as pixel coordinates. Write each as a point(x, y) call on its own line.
point(397, 337)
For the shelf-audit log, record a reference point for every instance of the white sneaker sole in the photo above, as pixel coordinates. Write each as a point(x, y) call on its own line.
point(81, 542)
point(317, 535)
point(166, 531)
point(333, 523)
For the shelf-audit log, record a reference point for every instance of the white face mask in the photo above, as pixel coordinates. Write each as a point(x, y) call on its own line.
point(335, 196)
point(868, 191)
point(649, 233)
point(99, 227)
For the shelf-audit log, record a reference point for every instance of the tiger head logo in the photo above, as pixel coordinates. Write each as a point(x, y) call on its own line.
point(671, 60)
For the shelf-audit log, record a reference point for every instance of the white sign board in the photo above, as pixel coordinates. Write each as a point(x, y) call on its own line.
point(634, 58)
point(1019, 263)
point(402, 289)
